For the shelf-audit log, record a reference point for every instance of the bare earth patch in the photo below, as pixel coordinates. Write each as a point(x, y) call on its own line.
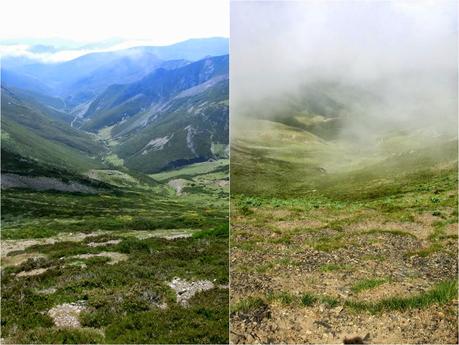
point(338, 257)
point(16, 260)
point(288, 224)
point(166, 234)
point(48, 291)
point(115, 257)
point(9, 246)
point(323, 325)
point(420, 230)
point(30, 273)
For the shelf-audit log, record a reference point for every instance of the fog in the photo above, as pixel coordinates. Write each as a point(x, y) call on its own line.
point(385, 65)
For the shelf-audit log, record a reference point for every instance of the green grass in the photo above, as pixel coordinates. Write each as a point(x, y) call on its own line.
point(442, 293)
point(334, 267)
point(32, 132)
point(308, 299)
point(247, 305)
point(282, 297)
point(328, 244)
point(424, 252)
point(367, 284)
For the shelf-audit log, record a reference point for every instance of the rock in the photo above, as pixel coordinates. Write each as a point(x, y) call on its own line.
point(66, 315)
point(185, 290)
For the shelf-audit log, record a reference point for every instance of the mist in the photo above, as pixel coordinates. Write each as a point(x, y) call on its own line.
point(382, 66)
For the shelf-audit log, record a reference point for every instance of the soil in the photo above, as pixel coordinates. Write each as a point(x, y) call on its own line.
point(273, 255)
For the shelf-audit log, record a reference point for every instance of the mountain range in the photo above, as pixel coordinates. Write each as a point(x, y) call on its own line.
point(142, 109)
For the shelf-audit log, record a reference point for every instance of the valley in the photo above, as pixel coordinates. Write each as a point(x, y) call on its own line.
point(100, 243)
point(333, 240)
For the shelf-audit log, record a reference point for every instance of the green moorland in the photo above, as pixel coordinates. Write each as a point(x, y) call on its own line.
point(331, 239)
point(97, 268)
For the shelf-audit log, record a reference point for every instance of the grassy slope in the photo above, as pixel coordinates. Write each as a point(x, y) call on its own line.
point(345, 219)
point(210, 124)
point(119, 297)
point(29, 132)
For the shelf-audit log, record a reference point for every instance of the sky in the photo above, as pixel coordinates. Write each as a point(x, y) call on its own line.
point(134, 22)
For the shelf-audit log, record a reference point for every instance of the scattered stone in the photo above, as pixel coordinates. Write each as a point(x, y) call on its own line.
point(337, 310)
point(66, 315)
point(185, 290)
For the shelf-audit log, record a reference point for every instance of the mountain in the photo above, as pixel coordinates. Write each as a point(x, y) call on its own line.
point(120, 102)
point(82, 79)
point(143, 109)
point(169, 118)
point(23, 81)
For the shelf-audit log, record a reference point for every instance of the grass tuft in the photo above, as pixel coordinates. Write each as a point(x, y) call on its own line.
point(248, 304)
point(367, 284)
point(440, 294)
point(308, 299)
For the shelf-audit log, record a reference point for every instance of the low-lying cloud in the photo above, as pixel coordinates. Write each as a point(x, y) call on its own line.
point(53, 55)
point(390, 65)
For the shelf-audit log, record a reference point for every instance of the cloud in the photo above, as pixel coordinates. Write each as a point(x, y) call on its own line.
point(59, 55)
point(388, 63)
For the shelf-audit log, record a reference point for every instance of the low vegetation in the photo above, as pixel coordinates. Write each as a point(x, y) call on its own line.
point(115, 252)
point(325, 242)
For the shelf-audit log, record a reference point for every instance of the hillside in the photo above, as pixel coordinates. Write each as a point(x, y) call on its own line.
point(30, 132)
point(370, 227)
point(169, 118)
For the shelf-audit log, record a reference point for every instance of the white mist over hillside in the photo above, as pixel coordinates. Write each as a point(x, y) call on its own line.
point(389, 65)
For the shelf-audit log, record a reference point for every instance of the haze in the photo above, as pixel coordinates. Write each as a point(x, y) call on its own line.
point(79, 27)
